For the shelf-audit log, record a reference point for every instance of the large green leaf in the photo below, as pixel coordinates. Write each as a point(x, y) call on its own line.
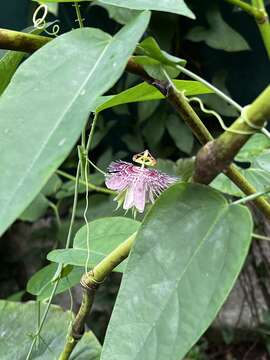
point(47, 103)
point(146, 92)
point(173, 6)
point(187, 255)
point(219, 35)
point(41, 283)
point(120, 14)
point(105, 235)
point(18, 322)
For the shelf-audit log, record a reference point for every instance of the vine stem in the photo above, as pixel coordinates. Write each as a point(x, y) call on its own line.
point(90, 282)
point(79, 15)
point(57, 274)
point(175, 98)
point(251, 10)
point(258, 11)
point(263, 23)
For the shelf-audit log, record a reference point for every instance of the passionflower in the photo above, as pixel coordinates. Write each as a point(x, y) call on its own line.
point(137, 185)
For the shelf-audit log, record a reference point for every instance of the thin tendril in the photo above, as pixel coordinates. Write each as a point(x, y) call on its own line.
point(60, 267)
point(210, 86)
point(222, 96)
point(42, 321)
point(219, 118)
point(40, 22)
point(85, 216)
point(87, 149)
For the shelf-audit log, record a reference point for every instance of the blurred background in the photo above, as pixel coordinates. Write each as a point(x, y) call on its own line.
point(222, 45)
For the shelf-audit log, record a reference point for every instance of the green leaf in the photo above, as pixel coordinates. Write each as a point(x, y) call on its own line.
point(257, 144)
point(120, 14)
point(213, 101)
point(173, 6)
point(180, 133)
point(150, 47)
point(219, 35)
point(146, 92)
point(18, 325)
point(187, 255)
point(105, 235)
point(155, 68)
point(47, 103)
point(52, 186)
point(146, 109)
point(134, 142)
point(36, 209)
point(41, 285)
point(155, 128)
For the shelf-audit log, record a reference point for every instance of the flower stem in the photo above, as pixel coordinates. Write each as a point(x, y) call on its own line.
point(90, 282)
point(90, 186)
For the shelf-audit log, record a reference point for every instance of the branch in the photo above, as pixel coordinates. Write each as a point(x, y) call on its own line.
point(177, 101)
point(19, 41)
point(90, 282)
point(216, 155)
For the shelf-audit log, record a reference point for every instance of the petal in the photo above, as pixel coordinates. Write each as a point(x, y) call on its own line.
point(139, 195)
point(129, 199)
point(116, 182)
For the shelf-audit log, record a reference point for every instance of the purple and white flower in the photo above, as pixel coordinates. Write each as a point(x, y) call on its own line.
point(136, 185)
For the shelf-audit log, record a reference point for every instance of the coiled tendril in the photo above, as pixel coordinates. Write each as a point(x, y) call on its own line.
point(40, 22)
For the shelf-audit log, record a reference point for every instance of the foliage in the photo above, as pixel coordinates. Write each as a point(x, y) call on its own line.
point(101, 93)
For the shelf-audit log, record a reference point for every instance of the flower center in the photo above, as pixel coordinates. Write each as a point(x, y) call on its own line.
point(144, 158)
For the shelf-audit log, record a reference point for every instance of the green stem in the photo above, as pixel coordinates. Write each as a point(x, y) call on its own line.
point(190, 117)
point(181, 105)
point(263, 23)
point(57, 274)
point(90, 186)
point(78, 13)
point(260, 237)
point(90, 282)
point(251, 10)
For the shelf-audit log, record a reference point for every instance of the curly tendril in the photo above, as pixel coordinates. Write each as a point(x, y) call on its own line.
point(40, 22)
